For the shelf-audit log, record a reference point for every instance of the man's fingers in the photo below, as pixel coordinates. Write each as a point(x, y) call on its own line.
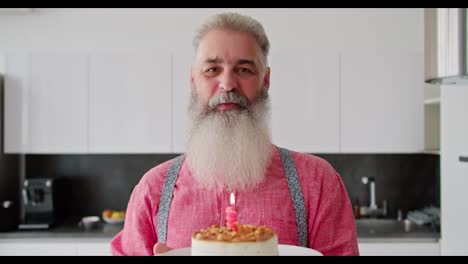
point(160, 248)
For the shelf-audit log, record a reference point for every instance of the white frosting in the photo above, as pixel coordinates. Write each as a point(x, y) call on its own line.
point(222, 248)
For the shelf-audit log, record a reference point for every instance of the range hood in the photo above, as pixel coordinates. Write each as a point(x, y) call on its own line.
point(446, 45)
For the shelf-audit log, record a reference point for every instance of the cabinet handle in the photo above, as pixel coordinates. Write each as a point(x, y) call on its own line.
point(463, 158)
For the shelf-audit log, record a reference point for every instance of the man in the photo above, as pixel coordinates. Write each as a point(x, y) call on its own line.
point(300, 196)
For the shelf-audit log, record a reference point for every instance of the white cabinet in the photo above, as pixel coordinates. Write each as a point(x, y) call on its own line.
point(382, 102)
point(57, 117)
point(454, 169)
point(101, 247)
point(399, 248)
point(55, 247)
point(88, 103)
point(136, 102)
point(305, 104)
point(93, 246)
point(181, 62)
point(45, 103)
point(16, 91)
point(130, 102)
point(37, 247)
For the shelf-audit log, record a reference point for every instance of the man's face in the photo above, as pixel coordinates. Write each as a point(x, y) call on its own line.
point(229, 110)
point(228, 61)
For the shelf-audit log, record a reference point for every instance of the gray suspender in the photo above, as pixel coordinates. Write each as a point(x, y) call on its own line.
point(291, 177)
point(166, 197)
point(296, 195)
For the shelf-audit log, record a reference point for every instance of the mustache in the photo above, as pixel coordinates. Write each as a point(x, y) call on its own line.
point(229, 97)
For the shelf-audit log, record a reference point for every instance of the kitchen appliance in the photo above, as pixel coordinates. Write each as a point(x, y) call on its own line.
point(43, 203)
point(9, 179)
point(446, 45)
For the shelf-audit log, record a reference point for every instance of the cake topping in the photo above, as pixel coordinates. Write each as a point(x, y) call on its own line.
point(244, 233)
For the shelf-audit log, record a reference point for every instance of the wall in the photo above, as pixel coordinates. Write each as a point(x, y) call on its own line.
point(147, 29)
point(406, 181)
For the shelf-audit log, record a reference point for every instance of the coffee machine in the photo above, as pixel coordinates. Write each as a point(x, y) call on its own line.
point(42, 203)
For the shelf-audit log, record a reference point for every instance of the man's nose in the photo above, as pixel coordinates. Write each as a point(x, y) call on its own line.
point(228, 81)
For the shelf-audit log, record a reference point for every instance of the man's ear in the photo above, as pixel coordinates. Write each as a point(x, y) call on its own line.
point(266, 78)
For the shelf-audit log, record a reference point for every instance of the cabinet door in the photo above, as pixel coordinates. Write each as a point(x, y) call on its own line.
point(382, 102)
point(180, 99)
point(16, 91)
point(93, 247)
point(454, 169)
point(58, 103)
point(399, 249)
point(304, 94)
point(37, 247)
point(130, 102)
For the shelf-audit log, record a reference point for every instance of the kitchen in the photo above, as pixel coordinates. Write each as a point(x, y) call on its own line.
point(73, 76)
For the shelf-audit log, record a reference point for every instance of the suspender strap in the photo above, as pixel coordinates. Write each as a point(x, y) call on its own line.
point(296, 195)
point(291, 177)
point(166, 197)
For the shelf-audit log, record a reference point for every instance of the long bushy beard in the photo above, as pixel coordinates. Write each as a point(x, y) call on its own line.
point(229, 149)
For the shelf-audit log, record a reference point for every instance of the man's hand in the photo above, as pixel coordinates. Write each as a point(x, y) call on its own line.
point(160, 248)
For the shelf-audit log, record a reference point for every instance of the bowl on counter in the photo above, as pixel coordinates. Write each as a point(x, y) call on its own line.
point(89, 222)
point(113, 216)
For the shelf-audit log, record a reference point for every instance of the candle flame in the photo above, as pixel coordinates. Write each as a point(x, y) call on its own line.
point(232, 199)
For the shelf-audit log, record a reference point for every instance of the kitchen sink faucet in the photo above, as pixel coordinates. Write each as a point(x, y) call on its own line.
point(373, 210)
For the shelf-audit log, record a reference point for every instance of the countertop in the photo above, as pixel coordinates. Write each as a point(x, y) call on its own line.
point(392, 230)
point(69, 230)
point(104, 230)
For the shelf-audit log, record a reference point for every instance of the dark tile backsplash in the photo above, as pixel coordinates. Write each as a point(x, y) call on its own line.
point(406, 181)
point(96, 182)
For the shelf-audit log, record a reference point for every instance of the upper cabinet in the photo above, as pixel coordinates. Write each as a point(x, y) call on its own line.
point(16, 91)
point(305, 104)
point(88, 103)
point(137, 102)
point(58, 103)
point(45, 103)
point(382, 102)
point(130, 102)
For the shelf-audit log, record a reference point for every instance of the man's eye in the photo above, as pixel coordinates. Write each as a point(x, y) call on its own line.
point(244, 70)
point(211, 70)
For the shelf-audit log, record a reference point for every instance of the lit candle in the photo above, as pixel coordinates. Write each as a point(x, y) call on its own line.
point(231, 214)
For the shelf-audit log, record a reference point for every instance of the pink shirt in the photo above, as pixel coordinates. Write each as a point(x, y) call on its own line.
point(331, 226)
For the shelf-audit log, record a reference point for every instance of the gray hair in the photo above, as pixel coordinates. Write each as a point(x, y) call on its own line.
point(239, 23)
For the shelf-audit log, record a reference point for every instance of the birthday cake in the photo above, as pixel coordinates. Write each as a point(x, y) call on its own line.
point(245, 240)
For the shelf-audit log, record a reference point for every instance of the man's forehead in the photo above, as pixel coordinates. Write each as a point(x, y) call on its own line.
point(220, 60)
point(227, 47)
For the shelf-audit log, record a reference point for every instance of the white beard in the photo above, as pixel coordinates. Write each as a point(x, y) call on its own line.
point(230, 149)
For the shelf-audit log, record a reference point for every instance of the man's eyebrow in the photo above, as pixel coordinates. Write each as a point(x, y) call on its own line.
point(217, 60)
point(245, 61)
point(214, 60)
